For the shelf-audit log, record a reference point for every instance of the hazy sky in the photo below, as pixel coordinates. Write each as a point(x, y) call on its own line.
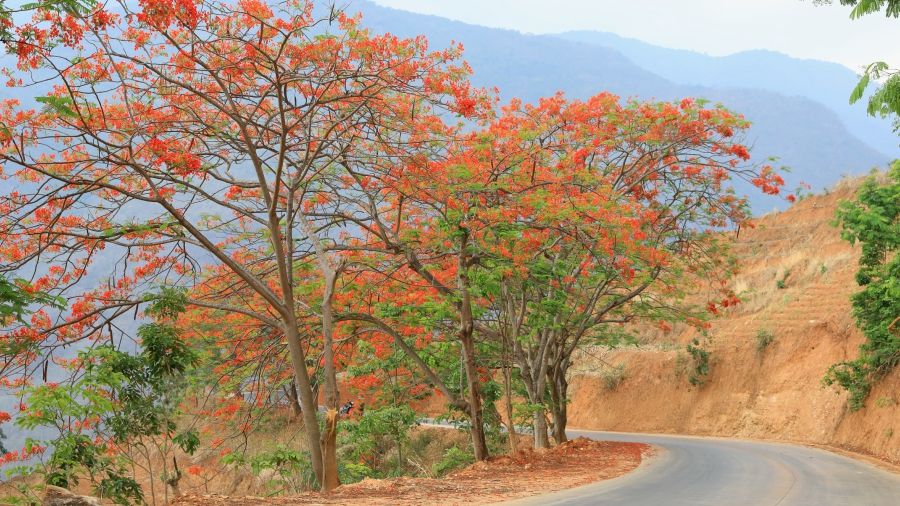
point(717, 27)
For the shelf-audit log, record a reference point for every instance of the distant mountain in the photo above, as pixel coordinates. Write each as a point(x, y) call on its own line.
point(805, 135)
point(825, 82)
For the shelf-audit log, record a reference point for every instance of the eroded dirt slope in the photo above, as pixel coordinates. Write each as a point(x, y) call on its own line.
point(771, 392)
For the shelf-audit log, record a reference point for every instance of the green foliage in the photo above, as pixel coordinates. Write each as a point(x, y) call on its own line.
point(291, 469)
point(168, 303)
point(885, 101)
point(523, 412)
point(873, 220)
point(852, 376)
point(698, 365)
point(454, 458)
point(377, 442)
point(864, 7)
point(764, 338)
point(74, 454)
point(14, 301)
point(117, 398)
point(188, 441)
point(781, 284)
point(59, 105)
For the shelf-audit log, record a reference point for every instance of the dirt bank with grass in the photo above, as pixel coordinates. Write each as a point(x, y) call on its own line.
point(575, 463)
point(768, 355)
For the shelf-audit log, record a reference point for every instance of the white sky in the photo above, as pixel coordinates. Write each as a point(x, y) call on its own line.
point(717, 27)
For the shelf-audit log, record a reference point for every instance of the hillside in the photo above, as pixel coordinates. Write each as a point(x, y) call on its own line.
point(772, 392)
point(805, 135)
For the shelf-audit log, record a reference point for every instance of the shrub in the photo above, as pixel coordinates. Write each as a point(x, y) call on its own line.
point(613, 376)
point(884, 402)
point(454, 458)
point(873, 220)
point(378, 441)
point(782, 283)
point(292, 469)
point(764, 338)
point(699, 366)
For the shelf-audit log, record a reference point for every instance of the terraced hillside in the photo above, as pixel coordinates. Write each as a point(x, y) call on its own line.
point(768, 355)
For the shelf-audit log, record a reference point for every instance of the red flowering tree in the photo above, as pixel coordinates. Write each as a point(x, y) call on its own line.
point(548, 223)
point(633, 199)
point(195, 136)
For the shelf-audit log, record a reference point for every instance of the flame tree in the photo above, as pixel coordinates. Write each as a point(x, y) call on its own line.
point(198, 135)
point(548, 223)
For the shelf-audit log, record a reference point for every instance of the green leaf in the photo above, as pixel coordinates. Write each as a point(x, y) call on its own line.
point(860, 88)
point(60, 105)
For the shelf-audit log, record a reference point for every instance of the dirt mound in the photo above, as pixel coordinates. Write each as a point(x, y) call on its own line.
point(768, 355)
point(502, 478)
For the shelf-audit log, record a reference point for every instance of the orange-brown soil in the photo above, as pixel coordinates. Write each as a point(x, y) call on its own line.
point(752, 391)
point(577, 462)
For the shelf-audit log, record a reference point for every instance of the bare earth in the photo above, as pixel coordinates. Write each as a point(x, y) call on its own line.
point(572, 464)
point(756, 392)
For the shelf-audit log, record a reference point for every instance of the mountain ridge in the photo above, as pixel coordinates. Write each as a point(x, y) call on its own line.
point(825, 82)
point(806, 136)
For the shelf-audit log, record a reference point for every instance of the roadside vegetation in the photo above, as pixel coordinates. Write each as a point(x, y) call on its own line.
point(873, 221)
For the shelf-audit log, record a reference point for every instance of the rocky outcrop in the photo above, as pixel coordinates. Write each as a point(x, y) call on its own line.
point(58, 496)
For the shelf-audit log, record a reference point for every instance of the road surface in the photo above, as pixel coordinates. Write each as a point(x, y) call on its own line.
point(691, 471)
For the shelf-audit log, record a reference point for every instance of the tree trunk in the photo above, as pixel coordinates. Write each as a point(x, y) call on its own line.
point(534, 390)
point(541, 440)
point(291, 392)
point(559, 390)
point(173, 481)
point(466, 331)
point(510, 424)
point(332, 395)
point(476, 410)
point(559, 414)
point(307, 402)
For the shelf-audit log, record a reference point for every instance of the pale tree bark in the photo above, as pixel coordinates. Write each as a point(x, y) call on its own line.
point(559, 388)
point(308, 404)
point(476, 409)
point(329, 274)
point(507, 387)
point(467, 340)
point(290, 391)
point(331, 480)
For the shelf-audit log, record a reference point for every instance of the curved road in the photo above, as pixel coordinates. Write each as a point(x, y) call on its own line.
point(693, 471)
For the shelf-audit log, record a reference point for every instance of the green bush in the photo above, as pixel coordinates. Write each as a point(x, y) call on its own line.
point(873, 220)
point(454, 458)
point(292, 469)
point(699, 366)
point(764, 338)
point(782, 283)
point(378, 443)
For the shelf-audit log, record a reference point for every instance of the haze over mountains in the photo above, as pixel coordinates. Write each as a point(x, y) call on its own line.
point(798, 108)
point(825, 82)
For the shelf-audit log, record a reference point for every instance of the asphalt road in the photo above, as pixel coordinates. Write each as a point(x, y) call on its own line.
point(726, 472)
